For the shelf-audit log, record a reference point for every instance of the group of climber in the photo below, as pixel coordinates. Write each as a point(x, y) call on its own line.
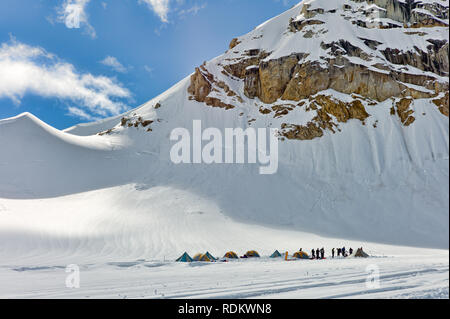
point(341, 252)
point(317, 253)
point(320, 253)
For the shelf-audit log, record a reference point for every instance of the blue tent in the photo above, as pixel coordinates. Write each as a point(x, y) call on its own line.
point(185, 258)
point(276, 254)
point(211, 257)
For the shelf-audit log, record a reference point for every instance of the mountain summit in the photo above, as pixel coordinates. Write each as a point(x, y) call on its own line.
point(336, 60)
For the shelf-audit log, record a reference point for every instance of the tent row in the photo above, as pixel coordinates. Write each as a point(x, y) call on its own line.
point(207, 257)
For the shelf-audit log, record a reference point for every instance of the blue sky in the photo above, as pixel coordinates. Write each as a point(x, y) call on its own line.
point(72, 61)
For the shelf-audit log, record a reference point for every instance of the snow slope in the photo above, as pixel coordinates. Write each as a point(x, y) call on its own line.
point(382, 184)
point(124, 241)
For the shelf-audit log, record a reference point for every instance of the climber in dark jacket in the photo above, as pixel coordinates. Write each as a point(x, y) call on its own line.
point(322, 253)
point(332, 252)
point(343, 251)
point(339, 252)
point(313, 254)
point(350, 251)
point(318, 253)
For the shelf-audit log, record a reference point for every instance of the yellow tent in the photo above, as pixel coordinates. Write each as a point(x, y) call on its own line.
point(197, 257)
point(301, 255)
point(205, 258)
point(252, 253)
point(201, 257)
point(231, 255)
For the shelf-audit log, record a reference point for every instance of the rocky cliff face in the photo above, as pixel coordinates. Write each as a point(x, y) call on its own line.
point(368, 51)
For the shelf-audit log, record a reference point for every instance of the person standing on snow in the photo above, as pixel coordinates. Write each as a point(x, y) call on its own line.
point(332, 252)
point(322, 253)
point(313, 254)
point(350, 251)
point(343, 251)
point(318, 253)
point(339, 252)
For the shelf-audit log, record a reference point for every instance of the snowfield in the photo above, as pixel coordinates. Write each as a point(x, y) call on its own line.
point(125, 240)
point(423, 274)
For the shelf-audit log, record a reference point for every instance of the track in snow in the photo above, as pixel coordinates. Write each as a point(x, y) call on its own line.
point(400, 277)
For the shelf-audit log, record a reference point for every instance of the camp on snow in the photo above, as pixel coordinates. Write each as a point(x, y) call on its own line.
point(360, 253)
point(207, 257)
point(185, 258)
point(211, 257)
point(276, 254)
point(203, 257)
point(251, 254)
point(231, 255)
point(301, 255)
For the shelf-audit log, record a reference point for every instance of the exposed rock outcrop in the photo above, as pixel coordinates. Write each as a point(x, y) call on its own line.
point(201, 86)
point(411, 13)
point(296, 26)
point(443, 104)
point(250, 58)
point(301, 132)
point(234, 43)
point(274, 77)
point(436, 60)
point(342, 111)
point(404, 112)
point(327, 108)
point(285, 78)
point(364, 68)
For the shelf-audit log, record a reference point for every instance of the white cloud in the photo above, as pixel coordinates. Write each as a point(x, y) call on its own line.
point(148, 69)
point(73, 14)
point(31, 70)
point(114, 63)
point(160, 7)
point(192, 10)
point(77, 112)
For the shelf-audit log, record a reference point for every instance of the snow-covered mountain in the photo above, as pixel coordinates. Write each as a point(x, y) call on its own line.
point(359, 91)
